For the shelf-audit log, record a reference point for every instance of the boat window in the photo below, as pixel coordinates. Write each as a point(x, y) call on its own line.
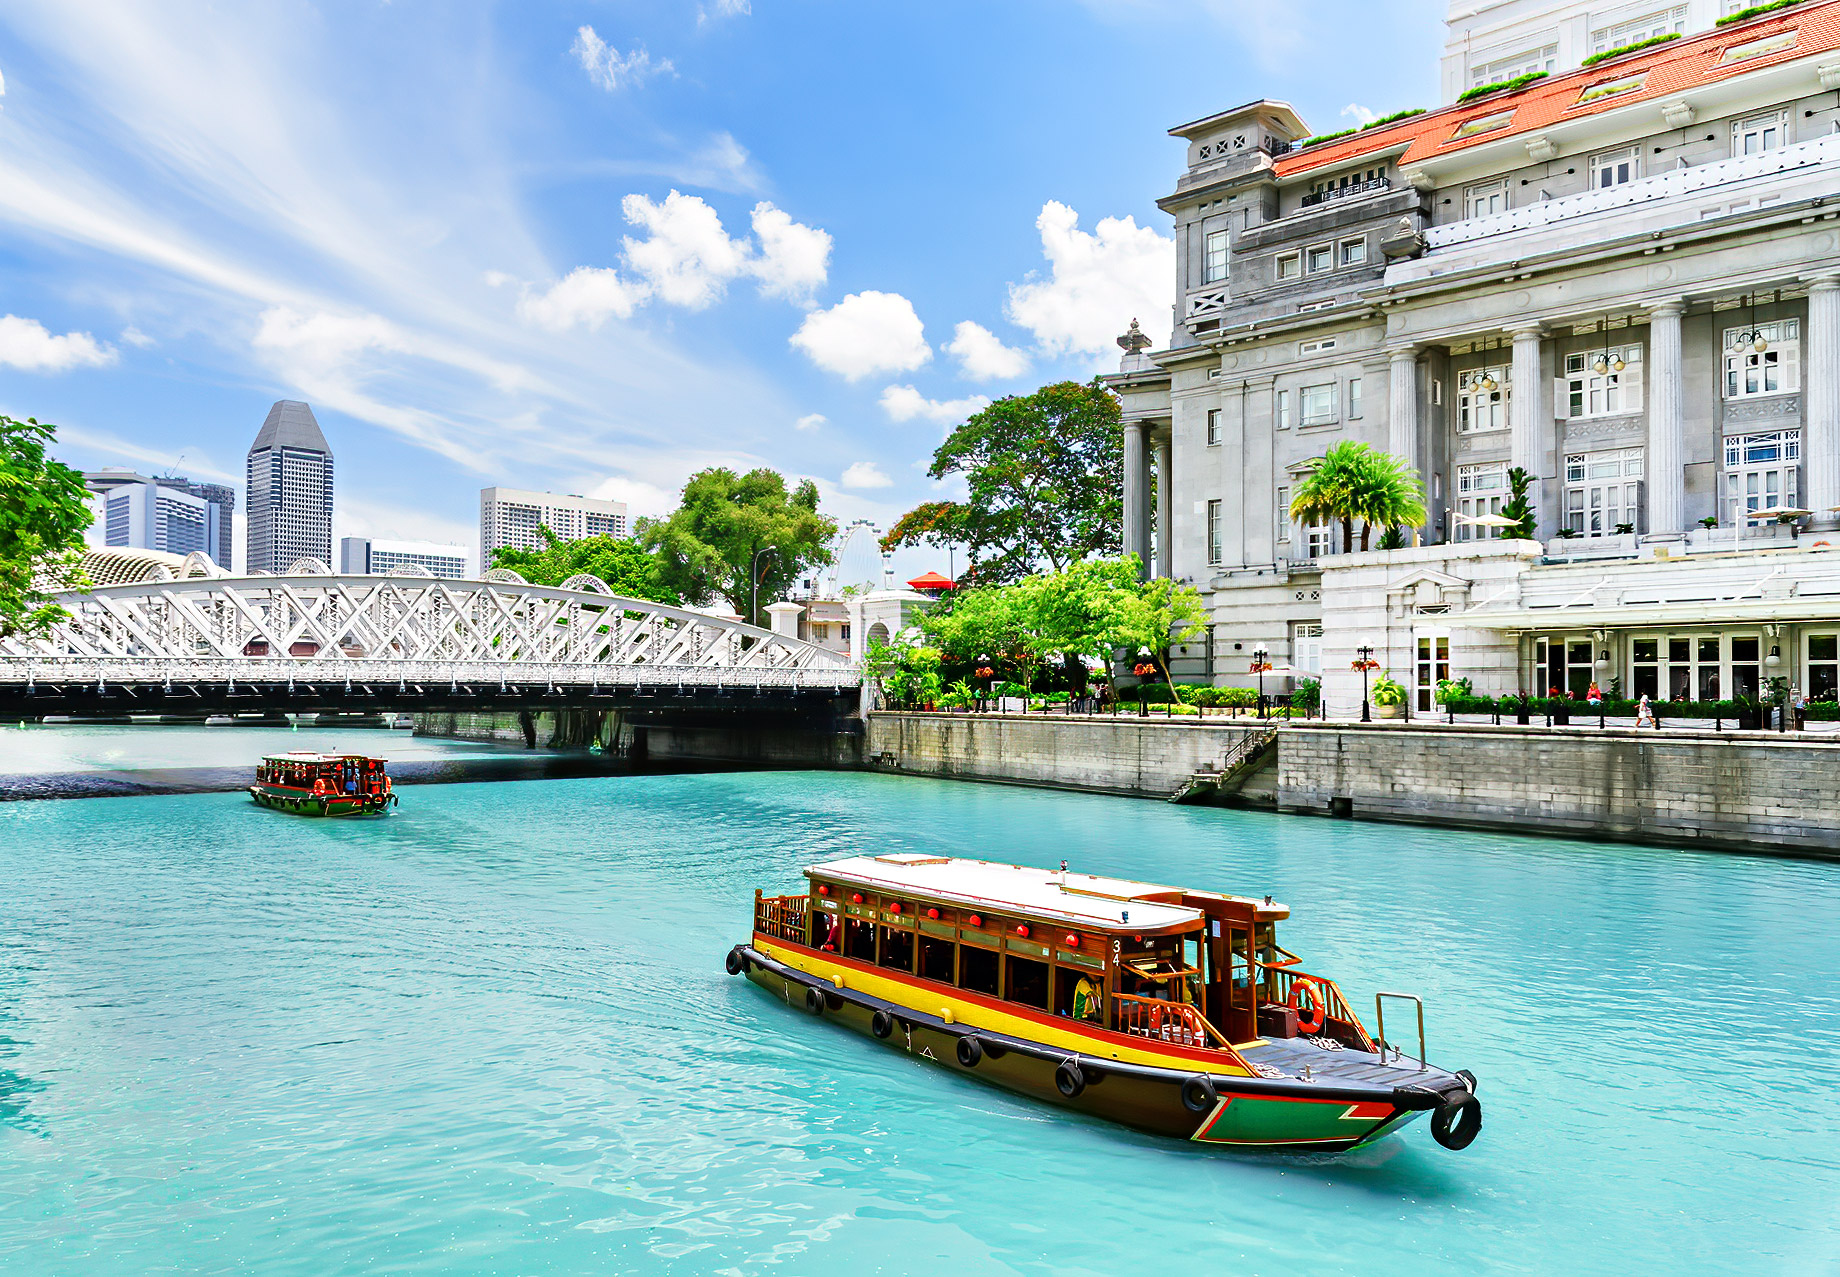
point(1078, 994)
point(858, 940)
point(977, 970)
point(897, 949)
point(1028, 982)
point(936, 959)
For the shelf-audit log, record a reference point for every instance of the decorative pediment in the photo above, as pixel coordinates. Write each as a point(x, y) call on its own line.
point(1427, 592)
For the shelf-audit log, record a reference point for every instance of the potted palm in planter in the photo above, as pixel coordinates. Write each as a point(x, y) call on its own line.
point(1388, 696)
point(1523, 708)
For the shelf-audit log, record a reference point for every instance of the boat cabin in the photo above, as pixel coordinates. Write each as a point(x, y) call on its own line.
point(340, 773)
point(1190, 967)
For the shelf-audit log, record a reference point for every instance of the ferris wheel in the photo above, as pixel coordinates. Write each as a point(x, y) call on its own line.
point(857, 561)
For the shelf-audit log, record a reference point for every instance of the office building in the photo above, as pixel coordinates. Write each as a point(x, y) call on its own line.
point(290, 491)
point(135, 512)
point(509, 519)
point(223, 498)
point(1620, 279)
point(376, 555)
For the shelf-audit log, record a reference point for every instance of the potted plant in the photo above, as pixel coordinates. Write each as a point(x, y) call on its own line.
point(1523, 708)
point(1388, 696)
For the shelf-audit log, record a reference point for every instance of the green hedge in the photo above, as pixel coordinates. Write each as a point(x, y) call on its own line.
point(1501, 86)
point(1621, 49)
point(1508, 706)
point(1755, 11)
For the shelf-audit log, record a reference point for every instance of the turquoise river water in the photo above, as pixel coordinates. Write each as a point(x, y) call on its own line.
point(491, 1034)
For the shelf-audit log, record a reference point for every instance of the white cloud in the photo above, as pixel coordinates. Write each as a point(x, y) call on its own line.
point(610, 68)
point(642, 499)
point(794, 260)
point(865, 334)
point(1098, 282)
point(864, 474)
point(723, 9)
point(26, 344)
point(586, 295)
point(1359, 114)
point(135, 337)
point(325, 340)
point(982, 356)
point(904, 403)
point(810, 421)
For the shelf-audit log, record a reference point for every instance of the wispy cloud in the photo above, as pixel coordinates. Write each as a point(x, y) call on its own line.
point(719, 9)
point(28, 345)
point(613, 70)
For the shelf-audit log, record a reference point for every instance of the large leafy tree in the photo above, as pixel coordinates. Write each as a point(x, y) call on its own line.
point(1355, 482)
point(718, 537)
point(43, 512)
point(1045, 474)
point(630, 569)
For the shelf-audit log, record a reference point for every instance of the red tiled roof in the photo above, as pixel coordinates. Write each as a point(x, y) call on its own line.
point(933, 581)
point(1671, 69)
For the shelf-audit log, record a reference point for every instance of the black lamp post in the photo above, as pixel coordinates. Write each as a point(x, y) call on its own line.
point(1367, 659)
point(1259, 656)
point(754, 571)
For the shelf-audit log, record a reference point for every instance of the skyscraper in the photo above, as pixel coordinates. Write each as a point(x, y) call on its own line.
point(290, 491)
point(221, 496)
point(510, 517)
point(135, 511)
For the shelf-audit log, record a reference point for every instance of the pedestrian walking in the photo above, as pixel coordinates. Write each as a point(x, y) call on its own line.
point(1645, 714)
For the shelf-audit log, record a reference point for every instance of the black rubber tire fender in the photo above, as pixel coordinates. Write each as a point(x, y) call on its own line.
point(1199, 1095)
point(969, 1051)
point(1068, 1079)
point(736, 964)
point(814, 1001)
point(1456, 1126)
point(1468, 1077)
point(881, 1024)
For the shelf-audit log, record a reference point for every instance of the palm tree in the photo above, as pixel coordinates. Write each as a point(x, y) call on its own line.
point(1354, 481)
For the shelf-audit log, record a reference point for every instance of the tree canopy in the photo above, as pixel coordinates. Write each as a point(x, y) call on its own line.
point(43, 512)
point(709, 545)
point(626, 566)
point(1354, 481)
point(1045, 474)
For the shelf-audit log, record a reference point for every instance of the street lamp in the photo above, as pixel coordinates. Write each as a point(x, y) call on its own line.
point(1259, 664)
point(754, 573)
point(1367, 663)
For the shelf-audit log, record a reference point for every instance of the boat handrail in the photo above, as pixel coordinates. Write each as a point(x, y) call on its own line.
point(782, 917)
point(1286, 975)
point(1380, 1022)
point(1176, 1023)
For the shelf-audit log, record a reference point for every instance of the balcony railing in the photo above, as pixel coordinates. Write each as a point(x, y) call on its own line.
point(1674, 184)
point(1328, 193)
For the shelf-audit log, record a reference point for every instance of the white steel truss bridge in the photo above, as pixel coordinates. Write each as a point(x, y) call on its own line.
point(314, 640)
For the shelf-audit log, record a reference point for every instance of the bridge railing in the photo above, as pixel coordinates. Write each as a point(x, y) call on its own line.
point(30, 670)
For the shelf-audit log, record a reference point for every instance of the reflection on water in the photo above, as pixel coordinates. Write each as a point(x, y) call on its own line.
point(491, 1033)
point(49, 748)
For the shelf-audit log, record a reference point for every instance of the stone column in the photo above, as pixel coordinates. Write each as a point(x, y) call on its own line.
point(1821, 439)
point(1136, 492)
point(1528, 432)
point(1402, 400)
point(1665, 463)
point(1165, 505)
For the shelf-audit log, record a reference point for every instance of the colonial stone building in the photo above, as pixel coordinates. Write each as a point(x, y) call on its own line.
point(1623, 278)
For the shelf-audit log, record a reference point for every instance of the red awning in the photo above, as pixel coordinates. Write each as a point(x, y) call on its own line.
point(932, 581)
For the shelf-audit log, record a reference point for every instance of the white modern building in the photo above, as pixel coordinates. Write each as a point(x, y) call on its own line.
point(1622, 279)
point(136, 512)
point(378, 556)
point(509, 518)
point(290, 491)
point(1492, 41)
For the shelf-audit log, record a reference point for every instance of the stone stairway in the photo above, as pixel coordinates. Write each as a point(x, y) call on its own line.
point(1247, 776)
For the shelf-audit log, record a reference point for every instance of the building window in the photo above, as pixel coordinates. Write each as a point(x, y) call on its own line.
point(1316, 347)
point(1213, 427)
point(1306, 648)
point(1647, 27)
point(1762, 472)
point(1682, 667)
point(1214, 266)
point(1823, 667)
point(1354, 252)
point(1290, 266)
point(1433, 667)
point(1482, 400)
point(1284, 514)
point(1760, 133)
point(1544, 58)
point(1213, 531)
point(1603, 492)
point(1318, 404)
point(1481, 489)
point(1284, 410)
point(1319, 540)
point(1354, 398)
point(1485, 199)
point(1320, 259)
point(1608, 393)
point(1773, 370)
point(1616, 168)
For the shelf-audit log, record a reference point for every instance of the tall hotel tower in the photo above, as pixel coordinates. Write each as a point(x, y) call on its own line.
point(290, 491)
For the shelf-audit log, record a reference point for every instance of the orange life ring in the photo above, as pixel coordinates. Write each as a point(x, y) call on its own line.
point(1319, 1005)
point(319, 786)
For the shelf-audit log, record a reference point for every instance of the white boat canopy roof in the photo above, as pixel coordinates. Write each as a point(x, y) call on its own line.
point(1113, 904)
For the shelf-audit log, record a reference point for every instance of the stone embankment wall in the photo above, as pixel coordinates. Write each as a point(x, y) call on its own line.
point(666, 736)
point(1748, 791)
point(1138, 757)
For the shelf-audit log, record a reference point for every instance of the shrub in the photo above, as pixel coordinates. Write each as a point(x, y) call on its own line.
point(1238, 697)
point(1394, 118)
point(1307, 695)
point(1010, 689)
point(1387, 690)
point(1755, 11)
point(1501, 86)
point(1325, 137)
point(1621, 49)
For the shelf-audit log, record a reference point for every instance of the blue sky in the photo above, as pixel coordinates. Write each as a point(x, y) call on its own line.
point(594, 247)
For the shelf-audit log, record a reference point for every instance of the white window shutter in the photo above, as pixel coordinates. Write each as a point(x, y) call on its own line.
point(1791, 378)
point(1562, 399)
point(1632, 390)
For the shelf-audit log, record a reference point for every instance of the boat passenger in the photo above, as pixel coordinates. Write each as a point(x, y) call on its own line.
point(1085, 1001)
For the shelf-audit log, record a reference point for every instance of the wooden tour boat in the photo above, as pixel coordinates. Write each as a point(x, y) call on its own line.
point(1169, 1010)
point(323, 784)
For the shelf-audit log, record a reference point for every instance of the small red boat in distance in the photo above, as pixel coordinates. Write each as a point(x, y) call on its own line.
point(308, 784)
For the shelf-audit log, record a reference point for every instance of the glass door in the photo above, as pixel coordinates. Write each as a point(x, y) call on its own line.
point(1432, 667)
